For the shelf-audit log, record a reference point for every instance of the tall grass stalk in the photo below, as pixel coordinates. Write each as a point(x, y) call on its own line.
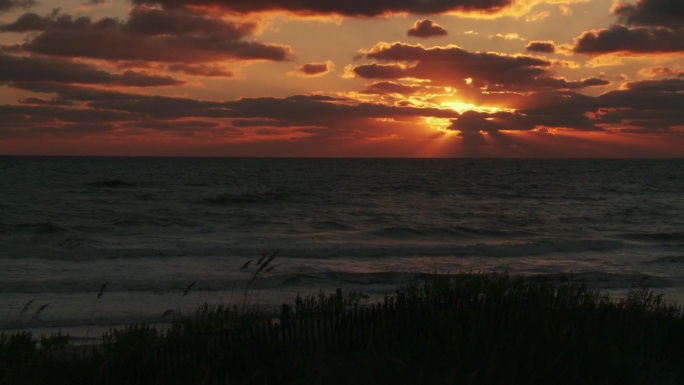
point(250, 296)
point(92, 312)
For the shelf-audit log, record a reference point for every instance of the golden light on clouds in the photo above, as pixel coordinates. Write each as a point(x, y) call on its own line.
point(462, 107)
point(439, 124)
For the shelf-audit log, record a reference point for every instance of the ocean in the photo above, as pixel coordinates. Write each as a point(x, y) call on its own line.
point(155, 229)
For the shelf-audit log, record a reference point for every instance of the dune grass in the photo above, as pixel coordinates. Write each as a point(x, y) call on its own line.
point(445, 329)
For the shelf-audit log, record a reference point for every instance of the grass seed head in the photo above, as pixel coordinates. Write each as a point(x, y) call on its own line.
point(37, 313)
point(187, 289)
point(102, 290)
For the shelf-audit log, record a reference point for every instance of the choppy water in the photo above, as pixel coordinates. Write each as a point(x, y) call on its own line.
point(152, 226)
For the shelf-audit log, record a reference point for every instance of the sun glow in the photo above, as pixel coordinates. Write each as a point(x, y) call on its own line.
point(440, 124)
point(462, 107)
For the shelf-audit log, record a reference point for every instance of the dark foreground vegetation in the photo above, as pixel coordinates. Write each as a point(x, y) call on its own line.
point(465, 329)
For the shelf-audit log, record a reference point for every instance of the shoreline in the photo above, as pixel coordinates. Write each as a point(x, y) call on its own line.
point(77, 333)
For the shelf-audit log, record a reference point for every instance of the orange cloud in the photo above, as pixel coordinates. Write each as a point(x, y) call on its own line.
point(546, 46)
point(314, 69)
point(383, 88)
point(426, 28)
point(660, 71)
point(506, 36)
point(201, 70)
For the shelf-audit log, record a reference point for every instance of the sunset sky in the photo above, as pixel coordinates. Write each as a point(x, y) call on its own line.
point(388, 78)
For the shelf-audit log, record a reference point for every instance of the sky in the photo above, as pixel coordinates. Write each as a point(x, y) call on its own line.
point(347, 78)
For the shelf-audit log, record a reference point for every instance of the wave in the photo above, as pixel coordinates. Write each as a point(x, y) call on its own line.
point(668, 260)
point(345, 277)
point(654, 237)
point(111, 183)
point(77, 247)
point(593, 279)
point(246, 198)
point(496, 250)
point(46, 228)
point(332, 226)
point(400, 232)
point(603, 280)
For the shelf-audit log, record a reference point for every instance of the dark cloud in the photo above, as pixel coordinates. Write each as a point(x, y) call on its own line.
point(381, 71)
point(555, 109)
point(71, 92)
point(455, 67)
point(8, 5)
point(303, 116)
point(652, 106)
point(411, 52)
point(541, 46)
point(474, 121)
point(201, 70)
point(308, 110)
point(52, 130)
point(176, 36)
point(150, 21)
point(137, 79)
point(298, 110)
point(619, 38)
point(653, 103)
point(258, 123)
point(183, 126)
point(667, 85)
point(648, 26)
point(551, 83)
point(455, 61)
point(426, 28)
point(47, 102)
point(314, 69)
point(162, 106)
point(27, 115)
point(34, 22)
point(667, 13)
point(40, 69)
point(660, 71)
point(352, 8)
point(133, 103)
point(640, 100)
point(652, 119)
point(382, 88)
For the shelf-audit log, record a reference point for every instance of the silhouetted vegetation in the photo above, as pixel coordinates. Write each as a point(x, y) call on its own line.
point(446, 329)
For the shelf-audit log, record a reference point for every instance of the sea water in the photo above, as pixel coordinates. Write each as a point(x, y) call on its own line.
point(155, 229)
